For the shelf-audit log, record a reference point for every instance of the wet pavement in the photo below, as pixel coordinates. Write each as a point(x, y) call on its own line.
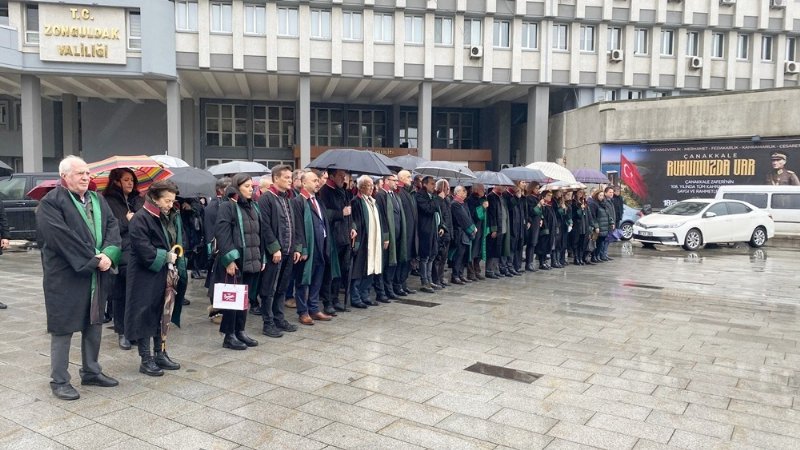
point(659, 348)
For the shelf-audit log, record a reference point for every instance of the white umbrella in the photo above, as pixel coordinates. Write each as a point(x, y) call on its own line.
point(444, 169)
point(170, 161)
point(234, 167)
point(553, 171)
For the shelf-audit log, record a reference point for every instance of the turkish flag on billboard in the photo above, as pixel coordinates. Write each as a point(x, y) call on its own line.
point(630, 176)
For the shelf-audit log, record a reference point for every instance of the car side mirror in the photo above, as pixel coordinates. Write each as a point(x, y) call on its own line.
point(710, 214)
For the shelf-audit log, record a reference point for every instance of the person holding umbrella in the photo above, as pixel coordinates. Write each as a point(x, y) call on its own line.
point(430, 228)
point(534, 222)
point(155, 230)
point(477, 204)
point(124, 200)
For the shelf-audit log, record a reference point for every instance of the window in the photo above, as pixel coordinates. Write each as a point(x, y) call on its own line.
point(134, 31)
point(273, 126)
point(453, 130)
point(719, 209)
point(443, 30)
point(4, 122)
point(320, 24)
point(472, 32)
point(640, 41)
point(766, 48)
point(790, 48)
point(326, 126)
point(530, 35)
point(12, 189)
point(408, 128)
point(255, 18)
point(502, 30)
point(4, 12)
point(287, 22)
point(366, 128)
point(755, 199)
point(186, 15)
point(383, 27)
point(611, 95)
point(614, 38)
point(693, 43)
point(667, 42)
point(587, 38)
point(634, 95)
point(718, 45)
point(560, 36)
point(415, 30)
point(785, 201)
point(351, 26)
point(226, 125)
point(742, 46)
point(32, 24)
point(221, 17)
point(737, 208)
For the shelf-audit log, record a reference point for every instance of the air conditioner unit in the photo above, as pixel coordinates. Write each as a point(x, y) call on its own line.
point(791, 67)
point(778, 4)
point(727, 2)
point(616, 55)
point(476, 52)
point(695, 62)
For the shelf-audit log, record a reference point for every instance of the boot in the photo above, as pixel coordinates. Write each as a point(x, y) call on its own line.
point(163, 361)
point(247, 340)
point(232, 343)
point(149, 367)
point(124, 343)
point(477, 269)
point(543, 263)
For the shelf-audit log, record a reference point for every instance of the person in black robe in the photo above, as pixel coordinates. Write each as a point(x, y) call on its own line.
point(209, 225)
point(239, 258)
point(478, 206)
point(581, 227)
point(392, 214)
point(154, 231)
point(335, 199)
point(497, 219)
point(407, 198)
point(516, 228)
point(564, 226)
point(372, 239)
point(533, 219)
point(548, 230)
point(81, 249)
point(429, 229)
point(442, 199)
point(464, 231)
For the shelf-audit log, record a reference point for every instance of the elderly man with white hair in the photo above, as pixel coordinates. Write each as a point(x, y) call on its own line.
point(371, 240)
point(81, 248)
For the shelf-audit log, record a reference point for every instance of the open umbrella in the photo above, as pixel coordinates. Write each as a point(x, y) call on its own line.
point(193, 182)
point(409, 162)
point(525, 174)
point(393, 165)
point(553, 171)
point(146, 169)
point(5, 169)
point(492, 178)
point(40, 190)
point(169, 296)
point(564, 185)
point(248, 167)
point(587, 175)
point(170, 161)
point(444, 169)
point(357, 161)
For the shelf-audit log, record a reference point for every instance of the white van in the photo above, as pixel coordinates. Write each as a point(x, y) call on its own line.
point(782, 202)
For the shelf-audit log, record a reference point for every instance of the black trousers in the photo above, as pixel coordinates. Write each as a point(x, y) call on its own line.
point(329, 294)
point(402, 273)
point(459, 258)
point(384, 284)
point(275, 280)
point(118, 299)
point(234, 321)
point(440, 260)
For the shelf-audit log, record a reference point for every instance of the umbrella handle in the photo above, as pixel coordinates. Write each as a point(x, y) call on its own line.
point(178, 250)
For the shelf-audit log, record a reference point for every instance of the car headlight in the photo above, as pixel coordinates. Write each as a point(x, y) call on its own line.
point(638, 224)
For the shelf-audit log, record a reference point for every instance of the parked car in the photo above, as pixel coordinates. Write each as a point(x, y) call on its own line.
point(20, 209)
point(694, 223)
point(781, 202)
point(629, 217)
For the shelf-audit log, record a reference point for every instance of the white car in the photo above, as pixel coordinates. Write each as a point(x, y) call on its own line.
point(693, 223)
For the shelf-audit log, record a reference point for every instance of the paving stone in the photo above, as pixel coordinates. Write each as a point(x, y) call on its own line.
point(139, 423)
point(526, 421)
point(592, 436)
point(621, 383)
point(463, 405)
point(395, 389)
point(788, 414)
point(347, 414)
point(345, 436)
point(761, 423)
point(547, 408)
point(260, 436)
point(652, 378)
point(286, 419)
point(288, 398)
point(45, 419)
point(501, 434)
point(683, 395)
point(93, 436)
point(343, 393)
point(762, 439)
point(647, 401)
point(209, 420)
point(188, 438)
point(424, 414)
point(695, 425)
point(432, 438)
point(630, 427)
point(741, 394)
point(609, 406)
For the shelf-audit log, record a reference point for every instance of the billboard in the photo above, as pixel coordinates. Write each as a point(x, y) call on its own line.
point(663, 173)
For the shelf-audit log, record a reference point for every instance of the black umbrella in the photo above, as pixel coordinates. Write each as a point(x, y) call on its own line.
point(525, 174)
point(356, 161)
point(193, 182)
point(5, 169)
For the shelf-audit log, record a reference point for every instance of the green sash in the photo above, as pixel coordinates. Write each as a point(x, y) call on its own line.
point(95, 227)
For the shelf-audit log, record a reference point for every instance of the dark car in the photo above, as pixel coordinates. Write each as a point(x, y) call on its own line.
point(20, 209)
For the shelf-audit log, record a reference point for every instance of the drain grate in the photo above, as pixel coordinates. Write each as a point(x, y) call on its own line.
point(408, 301)
point(643, 286)
point(504, 372)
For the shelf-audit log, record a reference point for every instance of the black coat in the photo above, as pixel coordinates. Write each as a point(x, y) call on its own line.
point(447, 219)
point(464, 230)
point(333, 199)
point(121, 207)
point(147, 271)
point(494, 245)
point(210, 217)
point(69, 263)
point(619, 210)
point(411, 215)
point(361, 225)
point(474, 202)
point(277, 222)
point(550, 232)
point(534, 218)
point(4, 231)
point(398, 240)
point(427, 226)
point(516, 215)
point(230, 245)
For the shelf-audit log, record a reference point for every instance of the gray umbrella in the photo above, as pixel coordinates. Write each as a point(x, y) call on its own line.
point(444, 169)
point(409, 162)
point(193, 182)
point(492, 178)
point(351, 160)
point(248, 167)
point(525, 174)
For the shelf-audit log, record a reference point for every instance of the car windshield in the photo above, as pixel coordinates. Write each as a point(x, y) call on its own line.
point(684, 208)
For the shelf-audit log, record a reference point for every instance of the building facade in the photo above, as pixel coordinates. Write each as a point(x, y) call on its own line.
point(280, 81)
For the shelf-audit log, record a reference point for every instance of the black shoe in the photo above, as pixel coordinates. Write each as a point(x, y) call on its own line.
point(443, 283)
point(556, 265)
point(246, 340)
point(409, 291)
point(196, 275)
point(331, 311)
point(427, 289)
point(163, 360)
point(436, 287)
point(604, 259)
point(392, 296)
point(64, 391)
point(544, 267)
point(271, 330)
point(384, 300)
point(255, 310)
point(100, 379)
point(106, 318)
point(401, 293)
point(232, 343)
point(456, 281)
point(283, 325)
point(608, 258)
point(3, 305)
point(186, 302)
point(359, 305)
point(338, 307)
point(507, 274)
point(414, 273)
point(492, 276)
point(588, 263)
point(149, 367)
point(124, 343)
point(369, 303)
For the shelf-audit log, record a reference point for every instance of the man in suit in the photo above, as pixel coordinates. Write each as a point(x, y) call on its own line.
point(391, 210)
point(336, 203)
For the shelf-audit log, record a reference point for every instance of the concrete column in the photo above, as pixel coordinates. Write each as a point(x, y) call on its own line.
point(425, 118)
point(303, 123)
point(69, 126)
point(503, 117)
point(31, 88)
point(189, 132)
point(395, 139)
point(174, 119)
point(538, 116)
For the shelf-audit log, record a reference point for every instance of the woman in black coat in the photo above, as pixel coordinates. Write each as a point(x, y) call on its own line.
point(581, 227)
point(533, 217)
point(153, 230)
point(239, 257)
point(549, 231)
point(124, 200)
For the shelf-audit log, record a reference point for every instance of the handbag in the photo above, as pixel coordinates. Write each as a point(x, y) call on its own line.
point(231, 296)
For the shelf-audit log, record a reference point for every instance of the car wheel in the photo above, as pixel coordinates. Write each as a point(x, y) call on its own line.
point(627, 231)
point(759, 237)
point(693, 240)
